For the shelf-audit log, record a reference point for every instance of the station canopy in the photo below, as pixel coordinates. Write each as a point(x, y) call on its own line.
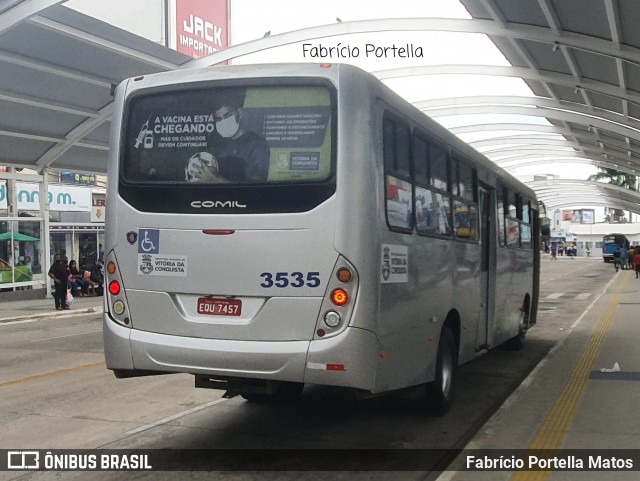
point(579, 59)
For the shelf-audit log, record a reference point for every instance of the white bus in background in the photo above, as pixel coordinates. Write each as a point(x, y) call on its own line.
point(279, 225)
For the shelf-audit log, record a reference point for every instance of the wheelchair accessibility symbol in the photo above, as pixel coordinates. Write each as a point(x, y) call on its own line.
point(148, 241)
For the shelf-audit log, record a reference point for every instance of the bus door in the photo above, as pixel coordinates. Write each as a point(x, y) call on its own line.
point(487, 264)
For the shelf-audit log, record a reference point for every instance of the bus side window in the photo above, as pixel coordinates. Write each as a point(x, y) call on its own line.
point(397, 167)
point(432, 208)
point(438, 171)
point(501, 216)
point(526, 240)
point(420, 160)
point(465, 208)
point(511, 219)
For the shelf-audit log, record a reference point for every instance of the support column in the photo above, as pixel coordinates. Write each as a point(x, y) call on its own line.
point(45, 236)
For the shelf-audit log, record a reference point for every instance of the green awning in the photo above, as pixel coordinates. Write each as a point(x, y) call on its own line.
point(17, 236)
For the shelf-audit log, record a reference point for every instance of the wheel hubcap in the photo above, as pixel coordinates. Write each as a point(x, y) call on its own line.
point(447, 372)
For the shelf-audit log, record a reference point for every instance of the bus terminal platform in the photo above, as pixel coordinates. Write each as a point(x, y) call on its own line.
point(582, 399)
point(580, 403)
point(25, 310)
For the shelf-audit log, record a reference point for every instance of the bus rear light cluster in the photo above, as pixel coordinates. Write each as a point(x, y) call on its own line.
point(116, 299)
point(338, 300)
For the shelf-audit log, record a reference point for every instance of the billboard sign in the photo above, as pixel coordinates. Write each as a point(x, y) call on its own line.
point(86, 178)
point(582, 216)
point(60, 197)
point(201, 27)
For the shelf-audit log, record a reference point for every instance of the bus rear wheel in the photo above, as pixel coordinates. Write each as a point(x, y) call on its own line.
point(440, 391)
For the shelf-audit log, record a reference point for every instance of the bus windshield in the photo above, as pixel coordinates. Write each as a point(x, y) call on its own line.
point(203, 134)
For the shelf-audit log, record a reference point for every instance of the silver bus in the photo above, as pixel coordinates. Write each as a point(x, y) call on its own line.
point(280, 225)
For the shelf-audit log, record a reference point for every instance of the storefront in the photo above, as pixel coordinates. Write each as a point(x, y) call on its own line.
point(21, 262)
point(80, 242)
point(74, 227)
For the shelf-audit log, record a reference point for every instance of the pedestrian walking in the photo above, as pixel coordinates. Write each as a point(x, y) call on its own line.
point(616, 260)
point(623, 258)
point(636, 262)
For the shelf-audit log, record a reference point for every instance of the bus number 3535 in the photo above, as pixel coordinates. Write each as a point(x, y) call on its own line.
point(294, 279)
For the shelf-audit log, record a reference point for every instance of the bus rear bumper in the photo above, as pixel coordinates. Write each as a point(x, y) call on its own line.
point(132, 349)
point(346, 360)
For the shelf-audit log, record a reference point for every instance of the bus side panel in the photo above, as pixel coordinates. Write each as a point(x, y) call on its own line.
point(468, 300)
point(515, 281)
point(407, 334)
point(356, 212)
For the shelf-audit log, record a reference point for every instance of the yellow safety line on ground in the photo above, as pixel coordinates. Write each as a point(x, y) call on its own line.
point(552, 433)
point(51, 374)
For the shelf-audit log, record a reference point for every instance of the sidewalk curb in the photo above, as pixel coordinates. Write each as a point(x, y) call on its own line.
point(53, 314)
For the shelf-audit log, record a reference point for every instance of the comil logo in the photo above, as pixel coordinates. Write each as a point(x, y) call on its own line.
point(208, 204)
point(23, 460)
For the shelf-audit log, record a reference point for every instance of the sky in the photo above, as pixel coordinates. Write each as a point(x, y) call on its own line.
point(251, 19)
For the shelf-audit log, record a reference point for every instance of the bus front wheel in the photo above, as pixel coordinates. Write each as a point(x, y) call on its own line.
point(440, 391)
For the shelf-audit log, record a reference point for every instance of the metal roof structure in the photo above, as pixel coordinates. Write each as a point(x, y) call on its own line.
point(58, 71)
point(580, 58)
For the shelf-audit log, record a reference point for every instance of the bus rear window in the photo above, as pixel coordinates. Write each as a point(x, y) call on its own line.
point(230, 135)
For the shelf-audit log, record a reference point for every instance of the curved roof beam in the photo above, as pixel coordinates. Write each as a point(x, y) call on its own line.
point(561, 190)
point(543, 138)
point(501, 126)
point(631, 129)
point(480, 100)
point(568, 202)
point(548, 183)
point(525, 73)
point(472, 102)
point(530, 160)
point(559, 203)
point(482, 26)
point(489, 145)
point(489, 127)
point(503, 154)
point(557, 199)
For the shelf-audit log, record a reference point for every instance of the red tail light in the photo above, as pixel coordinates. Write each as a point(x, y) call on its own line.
point(114, 288)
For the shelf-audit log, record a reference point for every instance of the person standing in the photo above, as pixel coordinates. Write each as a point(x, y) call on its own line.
point(636, 261)
point(616, 259)
point(623, 258)
point(60, 275)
